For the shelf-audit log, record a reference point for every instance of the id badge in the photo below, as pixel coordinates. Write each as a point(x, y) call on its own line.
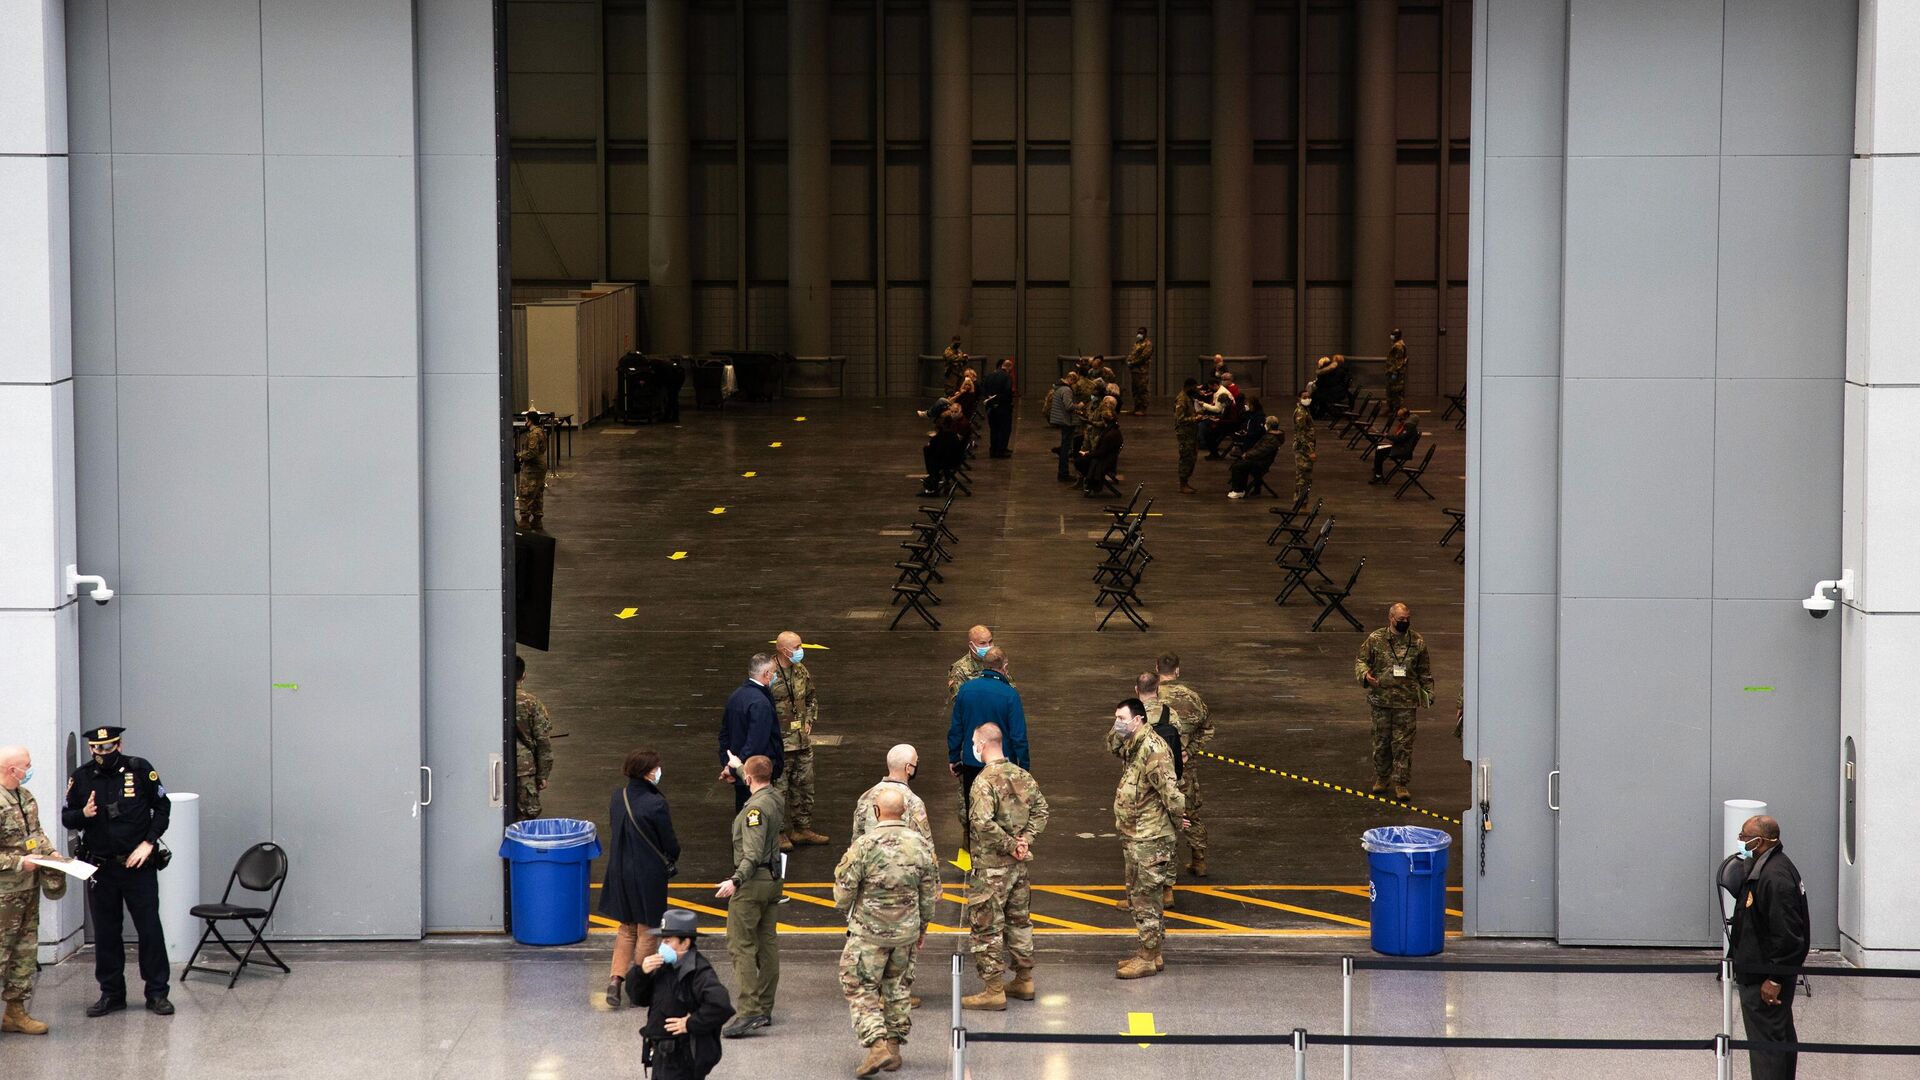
point(1399, 671)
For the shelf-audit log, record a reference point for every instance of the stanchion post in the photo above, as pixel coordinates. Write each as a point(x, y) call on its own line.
point(959, 1054)
point(1299, 1054)
point(1722, 1060)
point(1726, 997)
point(1346, 1015)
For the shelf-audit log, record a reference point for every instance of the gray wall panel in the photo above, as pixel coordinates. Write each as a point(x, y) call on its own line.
point(455, 102)
point(96, 473)
point(185, 76)
point(207, 732)
point(1634, 762)
point(1789, 74)
point(346, 485)
point(1520, 334)
point(461, 518)
point(90, 216)
point(357, 660)
point(189, 265)
point(1519, 477)
point(1640, 259)
point(1776, 497)
point(89, 121)
point(194, 493)
point(338, 76)
point(1643, 76)
point(1783, 267)
point(327, 213)
point(463, 726)
point(1779, 744)
point(1514, 735)
point(1635, 521)
point(459, 319)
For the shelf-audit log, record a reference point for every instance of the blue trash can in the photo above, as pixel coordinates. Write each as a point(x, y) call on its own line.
point(551, 860)
point(1407, 868)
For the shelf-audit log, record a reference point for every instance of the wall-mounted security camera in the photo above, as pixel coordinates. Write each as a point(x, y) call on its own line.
point(95, 584)
point(1827, 593)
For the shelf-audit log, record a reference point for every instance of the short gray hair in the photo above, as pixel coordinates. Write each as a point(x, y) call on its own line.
point(758, 666)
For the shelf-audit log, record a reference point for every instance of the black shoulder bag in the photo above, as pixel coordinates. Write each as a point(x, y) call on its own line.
point(673, 868)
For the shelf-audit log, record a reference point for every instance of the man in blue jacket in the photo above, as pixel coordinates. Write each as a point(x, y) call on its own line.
point(990, 698)
point(749, 727)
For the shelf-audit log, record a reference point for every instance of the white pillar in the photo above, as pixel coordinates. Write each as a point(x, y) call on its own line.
point(1879, 633)
point(39, 628)
point(180, 885)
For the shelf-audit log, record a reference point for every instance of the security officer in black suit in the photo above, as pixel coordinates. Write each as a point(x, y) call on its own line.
point(121, 809)
point(1769, 930)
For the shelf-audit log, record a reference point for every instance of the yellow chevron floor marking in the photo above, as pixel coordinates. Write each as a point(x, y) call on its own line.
point(1355, 792)
point(1060, 890)
point(1276, 905)
point(1141, 1023)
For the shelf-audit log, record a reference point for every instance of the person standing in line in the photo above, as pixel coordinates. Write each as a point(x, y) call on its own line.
point(1195, 722)
point(642, 857)
point(796, 705)
point(1061, 419)
point(1004, 816)
point(1303, 445)
point(1139, 363)
point(1147, 806)
point(1769, 930)
point(23, 847)
point(989, 699)
point(1396, 370)
point(1394, 667)
point(753, 894)
point(971, 663)
point(997, 391)
point(750, 727)
point(887, 884)
point(1186, 433)
point(902, 762)
point(530, 471)
point(532, 746)
point(120, 807)
point(685, 1001)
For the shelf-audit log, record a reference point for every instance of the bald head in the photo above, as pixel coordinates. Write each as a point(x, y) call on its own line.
point(986, 742)
point(1762, 826)
point(902, 760)
point(788, 640)
point(979, 637)
point(889, 804)
point(14, 762)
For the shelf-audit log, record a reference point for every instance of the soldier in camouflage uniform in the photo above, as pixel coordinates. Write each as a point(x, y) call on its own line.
point(1147, 806)
point(797, 707)
point(533, 746)
point(1196, 731)
point(1139, 360)
point(22, 841)
point(1004, 815)
point(1303, 442)
point(956, 359)
point(1393, 666)
point(902, 762)
point(1396, 371)
point(887, 883)
point(968, 667)
point(1186, 432)
point(530, 471)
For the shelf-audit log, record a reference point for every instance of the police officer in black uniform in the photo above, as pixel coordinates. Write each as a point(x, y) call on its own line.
point(121, 809)
point(1769, 930)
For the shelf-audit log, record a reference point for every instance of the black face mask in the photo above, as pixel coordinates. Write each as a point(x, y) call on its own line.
point(1400, 625)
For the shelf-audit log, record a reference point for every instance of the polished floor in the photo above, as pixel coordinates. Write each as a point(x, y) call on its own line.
point(788, 516)
point(478, 1008)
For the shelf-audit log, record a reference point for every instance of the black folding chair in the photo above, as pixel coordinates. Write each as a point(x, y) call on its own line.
point(1292, 527)
point(1344, 423)
point(262, 868)
point(1298, 562)
point(1410, 478)
point(914, 597)
point(1336, 600)
point(1296, 538)
point(1362, 426)
point(937, 515)
point(1459, 522)
point(1456, 403)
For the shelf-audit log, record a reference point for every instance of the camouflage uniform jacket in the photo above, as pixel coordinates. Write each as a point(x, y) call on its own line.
point(533, 730)
point(1303, 435)
point(887, 883)
point(530, 449)
point(1380, 654)
point(865, 817)
point(796, 705)
point(1185, 416)
point(965, 670)
point(1141, 354)
point(1005, 805)
point(1397, 359)
point(20, 836)
point(1147, 803)
point(954, 355)
point(1189, 713)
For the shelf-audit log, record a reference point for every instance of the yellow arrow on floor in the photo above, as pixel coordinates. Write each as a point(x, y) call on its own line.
point(749, 474)
point(799, 419)
point(717, 511)
point(626, 613)
point(773, 446)
point(677, 556)
point(1141, 1023)
point(964, 861)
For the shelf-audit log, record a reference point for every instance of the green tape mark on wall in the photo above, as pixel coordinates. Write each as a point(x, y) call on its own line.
point(1759, 689)
point(286, 686)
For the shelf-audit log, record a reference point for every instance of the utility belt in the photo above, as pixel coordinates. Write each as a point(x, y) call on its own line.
point(661, 1049)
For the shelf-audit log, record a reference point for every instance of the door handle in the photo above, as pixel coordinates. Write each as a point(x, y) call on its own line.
point(1551, 792)
point(496, 781)
point(428, 770)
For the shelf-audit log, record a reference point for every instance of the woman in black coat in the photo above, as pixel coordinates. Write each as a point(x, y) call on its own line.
point(634, 893)
point(686, 1004)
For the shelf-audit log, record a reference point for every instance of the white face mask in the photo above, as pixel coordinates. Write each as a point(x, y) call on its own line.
point(657, 774)
point(1123, 728)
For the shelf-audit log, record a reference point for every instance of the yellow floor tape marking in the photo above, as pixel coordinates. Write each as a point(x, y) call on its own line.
point(799, 419)
point(750, 474)
point(811, 899)
point(1058, 890)
point(1276, 905)
point(691, 906)
point(677, 556)
point(1064, 924)
point(717, 511)
point(1330, 787)
point(963, 860)
point(626, 613)
point(1141, 1023)
point(773, 446)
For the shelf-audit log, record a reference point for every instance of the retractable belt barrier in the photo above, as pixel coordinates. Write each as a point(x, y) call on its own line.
point(1720, 1045)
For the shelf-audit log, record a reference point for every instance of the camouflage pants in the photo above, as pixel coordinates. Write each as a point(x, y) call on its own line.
point(1138, 376)
point(1196, 831)
point(1396, 392)
point(795, 785)
point(526, 795)
point(1149, 870)
point(877, 980)
point(19, 942)
point(1000, 913)
point(1392, 744)
point(1188, 436)
point(529, 496)
point(1302, 477)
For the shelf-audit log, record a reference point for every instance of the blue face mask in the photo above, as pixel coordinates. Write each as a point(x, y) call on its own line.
point(26, 776)
point(798, 656)
point(981, 651)
point(1743, 851)
point(668, 954)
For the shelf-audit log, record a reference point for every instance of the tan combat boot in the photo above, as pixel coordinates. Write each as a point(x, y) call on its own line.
point(17, 1020)
point(876, 1059)
point(1166, 896)
point(1022, 985)
point(1401, 793)
point(1379, 787)
point(1198, 867)
point(786, 842)
point(893, 1056)
point(991, 999)
point(1140, 965)
point(808, 836)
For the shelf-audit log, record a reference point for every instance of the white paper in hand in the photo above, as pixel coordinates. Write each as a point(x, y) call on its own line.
point(73, 868)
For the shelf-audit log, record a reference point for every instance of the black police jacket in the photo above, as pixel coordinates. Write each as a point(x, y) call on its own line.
point(130, 802)
point(691, 989)
point(1769, 920)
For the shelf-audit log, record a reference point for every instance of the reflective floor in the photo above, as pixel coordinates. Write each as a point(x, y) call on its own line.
point(485, 1008)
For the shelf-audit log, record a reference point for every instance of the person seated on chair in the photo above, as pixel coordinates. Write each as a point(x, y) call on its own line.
point(1245, 475)
point(946, 450)
point(1251, 428)
point(1398, 447)
point(1101, 463)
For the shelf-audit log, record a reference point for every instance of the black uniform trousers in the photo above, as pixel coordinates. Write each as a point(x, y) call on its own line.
point(1769, 1023)
point(139, 891)
point(999, 429)
point(740, 793)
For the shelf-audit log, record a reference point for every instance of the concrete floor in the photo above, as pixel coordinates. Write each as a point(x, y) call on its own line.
point(806, 542)
point(465, 1008)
